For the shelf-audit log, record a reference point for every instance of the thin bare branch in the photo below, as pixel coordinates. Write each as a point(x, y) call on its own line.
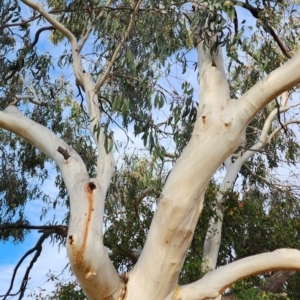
point(148, 191)
point(33, 99)
point(279, 128)
point(37, 249)
point(264, 138)
point(85, 36)
point(20, 23)
point(67, 33)
point(275, 185)
point(170, 155)
point(268, 28)
point(58, 229)
point(102, 78)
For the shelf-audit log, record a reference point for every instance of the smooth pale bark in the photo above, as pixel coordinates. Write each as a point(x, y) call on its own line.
point(213, 236)
point(217, 133)
point(46, 141)
point(87, 201)
point(88, 256)
point(174, 222)
point(215, 282)
point(263, 92)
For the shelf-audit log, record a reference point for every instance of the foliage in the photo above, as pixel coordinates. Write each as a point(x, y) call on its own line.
point(140, 86)
point(246, 291)
point(63, 291)
point(131, 201)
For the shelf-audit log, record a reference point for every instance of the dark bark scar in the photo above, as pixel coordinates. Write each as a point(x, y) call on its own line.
point(92, 186)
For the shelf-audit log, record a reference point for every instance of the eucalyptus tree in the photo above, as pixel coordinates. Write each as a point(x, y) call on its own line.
point(119, 52)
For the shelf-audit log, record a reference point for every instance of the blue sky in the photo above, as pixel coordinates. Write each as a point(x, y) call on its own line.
point(52, 258)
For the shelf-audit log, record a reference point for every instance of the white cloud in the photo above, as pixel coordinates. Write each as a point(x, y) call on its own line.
point(52, 260)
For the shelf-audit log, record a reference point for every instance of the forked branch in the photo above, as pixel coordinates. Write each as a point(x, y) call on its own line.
point(37, 249)
point(37, 7)
point(268, 28)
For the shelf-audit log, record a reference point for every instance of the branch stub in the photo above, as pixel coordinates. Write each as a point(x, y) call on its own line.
point(64, 152)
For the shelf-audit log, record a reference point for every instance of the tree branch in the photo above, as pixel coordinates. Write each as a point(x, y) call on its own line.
point(20, 23)
point(213, 236)
point(279, 128)
point(274, 84)
point(103, 139)
point(264, 139)
point(77, 64)
point(85, 36)
point(255, 13)
point(284, 50)
point(57, 229)
point(148, 191)
point(276, 280)
point(87, 206)
point(88, 256)
point(67, 33)
point(37, 249)
point(215, 282)
point(102, 78)
point(275, 185)
point(47, 142)
point(33, 99)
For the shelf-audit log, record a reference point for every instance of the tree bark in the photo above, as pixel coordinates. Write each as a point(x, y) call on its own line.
point(218, 131)
point(275, 281)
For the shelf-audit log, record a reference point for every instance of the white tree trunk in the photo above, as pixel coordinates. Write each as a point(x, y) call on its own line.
point(217, 133)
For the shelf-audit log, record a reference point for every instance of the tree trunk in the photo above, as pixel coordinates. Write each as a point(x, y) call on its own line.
point(217, 133)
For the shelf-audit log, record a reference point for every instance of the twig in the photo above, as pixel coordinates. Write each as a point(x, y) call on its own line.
point(278, 116)
point(148, 191)
point(111, 119)
point(275, 185)
point(57, 229)
point(20, 23)
point(85, 36)
point(38, 249)
point(19, 63)
point(66, 32)
point(35, 99)
point(278, 128)
point(255, 13)
point(102, 78)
